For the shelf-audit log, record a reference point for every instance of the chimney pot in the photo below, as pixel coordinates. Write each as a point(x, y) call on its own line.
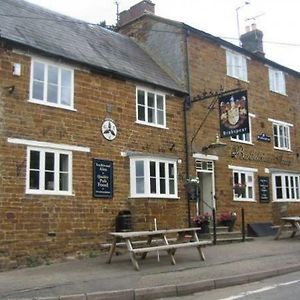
point(253, 26)
point(247, 28)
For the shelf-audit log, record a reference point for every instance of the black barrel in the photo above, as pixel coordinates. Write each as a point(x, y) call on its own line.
point(123, 221)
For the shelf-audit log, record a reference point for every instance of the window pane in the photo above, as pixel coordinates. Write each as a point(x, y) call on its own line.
point(52, 75)
point(66, 78)
point(49, 161)
point(38, 90)
point(151, 100)
point(160, 117)
point(162, 175)
point(139, 168)
point(162, 186)
point(34, 160)
point(172, 187)
point(160, 102)
point(49, 181)
point(250, 192)
point(171, 170)
point(153, 185)
point(152, 168)
point(64, 163)
point(150, 115)
point(162, 172)
point(38, 71)
point(141, 97)
point(141, 113)
point(152, 177)
point(34, 180)
point(140, 186)
point(65, 94)
point(52, 93)
point(64, 182)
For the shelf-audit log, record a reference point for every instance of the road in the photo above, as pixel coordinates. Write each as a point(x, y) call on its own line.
point(285, 287)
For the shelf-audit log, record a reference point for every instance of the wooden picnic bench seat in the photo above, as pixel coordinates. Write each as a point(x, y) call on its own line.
point(161, 235)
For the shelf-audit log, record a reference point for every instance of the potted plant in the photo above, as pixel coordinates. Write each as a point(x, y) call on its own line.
point(227, 219)
point(202, 221)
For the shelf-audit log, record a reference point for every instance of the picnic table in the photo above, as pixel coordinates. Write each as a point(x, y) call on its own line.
point(185, 237)
point(292, 223)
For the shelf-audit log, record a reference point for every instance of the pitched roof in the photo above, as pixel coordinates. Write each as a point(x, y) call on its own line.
point(44, 30)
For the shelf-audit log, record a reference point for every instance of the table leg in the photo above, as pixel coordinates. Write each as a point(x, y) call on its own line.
point(132, 255)
point(295, 229)
point(144, 254)
point(111, 250)
point(202, 256)
point(170, 252)
point(279, 231)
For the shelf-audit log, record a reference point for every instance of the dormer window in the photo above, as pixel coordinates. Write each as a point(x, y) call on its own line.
point(51, 84)
point(277, 81)
point(236, 65)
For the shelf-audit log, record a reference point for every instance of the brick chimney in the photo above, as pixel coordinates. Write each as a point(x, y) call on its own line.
point(143, 7)
point(252, 40)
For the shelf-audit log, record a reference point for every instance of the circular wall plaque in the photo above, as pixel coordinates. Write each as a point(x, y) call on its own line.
point(109, 129)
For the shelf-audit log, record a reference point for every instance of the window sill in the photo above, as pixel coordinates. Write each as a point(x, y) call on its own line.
point(279, 93)
point(51, 105)
point(153, 197)
point(244, 200)
point(46, 193)
point(242, 79)
point(242, 142)
point(151, 125)
point(286, 201)
point(282, 149)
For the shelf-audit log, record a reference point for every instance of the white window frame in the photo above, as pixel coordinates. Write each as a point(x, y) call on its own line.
point(236, 65)
point(283, 140)
point(42, 190)
point(277, 81)
point(146, 166)
point(248, 173)
point(60, 67)
point(146, 106)
point(290, 187)
point(245, 138)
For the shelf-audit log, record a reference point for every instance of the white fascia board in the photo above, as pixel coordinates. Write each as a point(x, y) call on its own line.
point(33, 143)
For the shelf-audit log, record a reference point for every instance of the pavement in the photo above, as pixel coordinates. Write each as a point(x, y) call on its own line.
point(93, 279)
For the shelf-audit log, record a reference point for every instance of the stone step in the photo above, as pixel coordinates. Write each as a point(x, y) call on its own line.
point(233, 240)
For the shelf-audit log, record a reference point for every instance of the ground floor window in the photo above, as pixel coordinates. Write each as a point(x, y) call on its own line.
point(243, 183)
point(48, 171)
point(153, 177)
point(286, 187)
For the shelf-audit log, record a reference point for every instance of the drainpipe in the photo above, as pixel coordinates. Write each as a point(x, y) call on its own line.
point(186, 106)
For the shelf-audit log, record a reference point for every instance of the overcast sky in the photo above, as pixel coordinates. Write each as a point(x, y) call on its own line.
point(278, 19)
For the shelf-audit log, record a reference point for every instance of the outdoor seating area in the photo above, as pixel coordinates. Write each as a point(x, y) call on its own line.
point(291, 224)
point(164, 241)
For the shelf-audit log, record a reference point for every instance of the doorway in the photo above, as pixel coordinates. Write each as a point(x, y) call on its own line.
point(205, 173)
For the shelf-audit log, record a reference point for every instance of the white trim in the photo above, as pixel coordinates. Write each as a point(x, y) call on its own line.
point(280, 122)
point(205, 157)
point(48, 145)
point(242, 168)
point(243, 200)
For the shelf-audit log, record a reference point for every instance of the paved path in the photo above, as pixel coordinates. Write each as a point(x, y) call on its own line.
point(93, 279)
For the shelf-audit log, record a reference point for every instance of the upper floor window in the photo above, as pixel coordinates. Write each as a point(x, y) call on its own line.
point(245, 137)
point(153, 177)
point(277, 81)
point(286, 187)
point(281, 135)
point(151, 108)
point(49, 171)
point(243, 183)
point(236, 65)
point(51, 84)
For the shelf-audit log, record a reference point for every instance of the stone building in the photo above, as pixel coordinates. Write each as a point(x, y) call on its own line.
point(91, 125)
point(263, 163)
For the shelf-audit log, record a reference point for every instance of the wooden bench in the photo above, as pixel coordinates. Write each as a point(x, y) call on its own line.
point(165, 245)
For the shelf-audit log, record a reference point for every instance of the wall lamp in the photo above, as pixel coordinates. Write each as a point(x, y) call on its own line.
point(216, 144)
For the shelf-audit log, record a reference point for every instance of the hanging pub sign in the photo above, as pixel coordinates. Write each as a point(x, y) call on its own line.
point(233, 113)
point(102, 178)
